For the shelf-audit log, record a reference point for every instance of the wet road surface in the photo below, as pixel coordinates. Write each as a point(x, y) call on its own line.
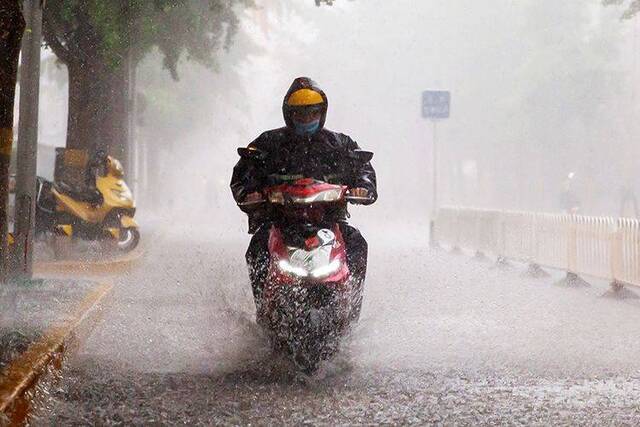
point(442, 339)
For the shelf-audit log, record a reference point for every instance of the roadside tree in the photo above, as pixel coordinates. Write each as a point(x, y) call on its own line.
point(11, 29)
point(101, 42)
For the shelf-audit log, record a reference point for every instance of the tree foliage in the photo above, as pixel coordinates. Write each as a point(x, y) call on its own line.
point(632, 7)
point(88, 30)
point(102, 41)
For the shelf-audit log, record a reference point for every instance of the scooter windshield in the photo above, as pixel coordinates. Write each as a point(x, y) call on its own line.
point(311, 259)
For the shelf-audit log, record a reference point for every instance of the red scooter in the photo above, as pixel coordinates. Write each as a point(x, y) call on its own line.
point(310, 297)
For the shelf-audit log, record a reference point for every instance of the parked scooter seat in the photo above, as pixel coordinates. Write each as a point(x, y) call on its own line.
point(92, 196)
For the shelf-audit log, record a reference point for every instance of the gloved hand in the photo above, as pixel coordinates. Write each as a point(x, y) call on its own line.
point(253, 197)
point(358, 192)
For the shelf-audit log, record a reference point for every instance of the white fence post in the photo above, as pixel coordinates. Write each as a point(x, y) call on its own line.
point(458, 230)
point(502, 261)
point(478, 241)
point(617, 262)
point(572, 279)
point(534, 270)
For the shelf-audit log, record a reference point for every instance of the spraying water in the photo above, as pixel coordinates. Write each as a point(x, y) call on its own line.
point(540, 90)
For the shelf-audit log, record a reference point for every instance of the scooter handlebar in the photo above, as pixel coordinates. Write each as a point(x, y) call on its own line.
point(347, 198)
point(251, 203)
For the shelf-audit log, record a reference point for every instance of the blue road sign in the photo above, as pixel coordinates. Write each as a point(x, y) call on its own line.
point(436, 104)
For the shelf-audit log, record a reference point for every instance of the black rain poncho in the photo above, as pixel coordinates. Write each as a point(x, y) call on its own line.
point(326, 155)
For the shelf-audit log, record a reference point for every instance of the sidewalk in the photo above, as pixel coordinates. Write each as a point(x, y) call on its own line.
point(39, 320)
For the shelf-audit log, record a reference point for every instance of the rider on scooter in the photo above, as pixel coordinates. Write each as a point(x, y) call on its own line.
point(305, 148)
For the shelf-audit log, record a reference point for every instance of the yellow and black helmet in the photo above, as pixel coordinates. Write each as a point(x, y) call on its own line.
point(305, 98)
point(304, 94)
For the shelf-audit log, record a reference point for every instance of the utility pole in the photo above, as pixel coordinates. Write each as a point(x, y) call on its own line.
point(131, 151)
point(11, 31)
point(28, 143)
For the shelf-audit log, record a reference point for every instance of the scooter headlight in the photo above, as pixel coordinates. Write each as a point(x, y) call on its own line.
point(122, 194)
point(327, 270)
point(292, 269)
point(318, 273)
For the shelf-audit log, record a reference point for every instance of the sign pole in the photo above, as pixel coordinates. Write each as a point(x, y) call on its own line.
point(434, 204)
point(433, 242)
point(436, 105)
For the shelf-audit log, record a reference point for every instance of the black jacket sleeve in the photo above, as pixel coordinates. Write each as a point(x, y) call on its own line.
point(248, 177)
point(247, 174)
point(362, 174)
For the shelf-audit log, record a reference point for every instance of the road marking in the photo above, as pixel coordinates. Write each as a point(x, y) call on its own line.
point(90, 267)
point(6, 141)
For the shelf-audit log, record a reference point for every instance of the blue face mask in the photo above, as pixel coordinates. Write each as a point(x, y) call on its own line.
point(306, 129)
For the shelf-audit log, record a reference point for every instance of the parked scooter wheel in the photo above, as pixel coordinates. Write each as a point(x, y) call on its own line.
point(129, 239)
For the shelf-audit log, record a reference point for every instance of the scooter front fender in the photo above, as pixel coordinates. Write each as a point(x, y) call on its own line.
point(128, 222)
point(114, 232)
point(65, 229)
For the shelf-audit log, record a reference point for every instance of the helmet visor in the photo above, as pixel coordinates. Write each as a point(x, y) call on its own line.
point(306, 114)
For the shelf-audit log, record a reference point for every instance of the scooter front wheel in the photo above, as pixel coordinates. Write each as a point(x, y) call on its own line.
point(128, 240)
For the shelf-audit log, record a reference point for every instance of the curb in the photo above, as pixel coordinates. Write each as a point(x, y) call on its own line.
point(23, 374)
point(90, 267)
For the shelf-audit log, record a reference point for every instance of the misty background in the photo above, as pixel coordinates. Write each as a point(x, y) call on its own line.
point(540, 89)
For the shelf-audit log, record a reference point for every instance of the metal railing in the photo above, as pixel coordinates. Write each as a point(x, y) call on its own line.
point(603, 247)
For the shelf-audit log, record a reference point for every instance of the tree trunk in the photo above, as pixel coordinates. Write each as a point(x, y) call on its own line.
point(98, 85)
point(11, 29)
point(97, 108)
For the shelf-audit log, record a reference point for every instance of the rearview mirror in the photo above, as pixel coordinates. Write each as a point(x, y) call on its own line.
point(251, 153)
point(362, 155)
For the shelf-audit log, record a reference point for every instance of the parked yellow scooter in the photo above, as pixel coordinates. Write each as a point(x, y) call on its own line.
point(63, 211)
